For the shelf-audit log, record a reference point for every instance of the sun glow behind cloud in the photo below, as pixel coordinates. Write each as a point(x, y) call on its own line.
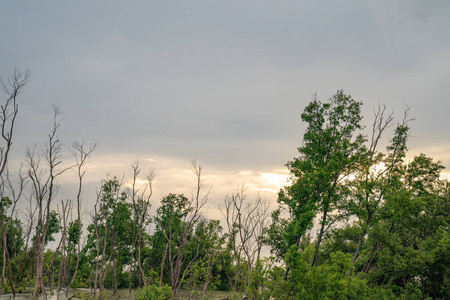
point(174, 175)
point(273, 182)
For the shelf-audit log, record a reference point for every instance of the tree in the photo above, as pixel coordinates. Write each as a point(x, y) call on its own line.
point(44, 190)
point(329, 154)
point(206, 244)
point(169, 229)
point(176, 219)
point(141, 209)
point(246, 222)
point(81, 155)
point(62, 249)
point(378, 174)
point(109, 242)
point(410, 244)
point(8, 113)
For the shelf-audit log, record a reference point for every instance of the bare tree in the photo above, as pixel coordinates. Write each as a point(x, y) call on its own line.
point(81, 154)
point(43, 175)
point(8, 113)
point(245, 223)
point(63, 215)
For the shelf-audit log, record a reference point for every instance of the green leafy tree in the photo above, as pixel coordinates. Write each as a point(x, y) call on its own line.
point(169, 228)
point(176, 219)
point(204, 249)
point(377, 175)
point(412, 239)
point(330, 151)
point(109, 239)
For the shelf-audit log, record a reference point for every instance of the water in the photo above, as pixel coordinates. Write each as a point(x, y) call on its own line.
point(122, 294)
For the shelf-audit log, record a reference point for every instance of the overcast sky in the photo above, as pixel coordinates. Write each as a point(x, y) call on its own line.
point(223, 82)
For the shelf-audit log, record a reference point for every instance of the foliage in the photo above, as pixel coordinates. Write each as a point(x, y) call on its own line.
point(356, 222)
point(329, 280)
point(330, 152)
point(154, 292)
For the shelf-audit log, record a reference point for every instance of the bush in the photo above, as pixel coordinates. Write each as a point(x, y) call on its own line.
point(154, 292)
point(330, 280)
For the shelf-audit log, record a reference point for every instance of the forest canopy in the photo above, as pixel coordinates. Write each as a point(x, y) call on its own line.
point(355, 222)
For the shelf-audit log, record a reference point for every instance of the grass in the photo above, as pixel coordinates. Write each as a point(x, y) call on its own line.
point(212, 295)
point(85, 294)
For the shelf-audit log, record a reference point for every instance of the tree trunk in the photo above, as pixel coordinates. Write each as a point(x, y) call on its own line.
point(356, 254)
point(315, 261)
point(208, 275)
point(140, 264)
point(115, 275)
point(162, 266)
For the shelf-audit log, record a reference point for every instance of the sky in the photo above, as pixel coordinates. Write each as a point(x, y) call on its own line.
point(222, 82)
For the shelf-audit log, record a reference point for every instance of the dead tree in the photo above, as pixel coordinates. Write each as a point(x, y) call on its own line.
point(245, 223)
point(63, 215)
point(44, 169)
point(8, 113)
point(81, 155)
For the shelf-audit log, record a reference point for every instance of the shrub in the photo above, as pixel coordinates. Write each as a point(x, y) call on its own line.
point(154, 292)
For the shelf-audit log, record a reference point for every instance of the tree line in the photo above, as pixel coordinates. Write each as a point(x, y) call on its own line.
point(354, 222)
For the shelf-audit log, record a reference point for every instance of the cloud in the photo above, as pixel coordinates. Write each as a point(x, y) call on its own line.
point(172, 175)
point(117, 38)
point(426, 11)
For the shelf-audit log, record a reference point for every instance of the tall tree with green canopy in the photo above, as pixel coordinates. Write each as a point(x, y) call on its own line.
point(330, 150)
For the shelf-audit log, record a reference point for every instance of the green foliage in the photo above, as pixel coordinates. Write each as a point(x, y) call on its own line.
point(396, 244)
point(169, 229)
point(383, 228)
point(196, 277)
point(74, 232)
point(14, 237)
point(330, 152)
point(154, 292)
point(5, 203)
point(53, 227)
point(257, 288)
point(329, 280)
point(112, 230)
